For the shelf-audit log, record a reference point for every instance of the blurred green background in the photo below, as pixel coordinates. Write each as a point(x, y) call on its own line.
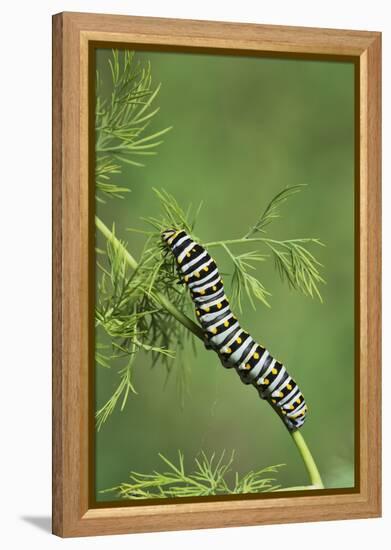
point(243, 129)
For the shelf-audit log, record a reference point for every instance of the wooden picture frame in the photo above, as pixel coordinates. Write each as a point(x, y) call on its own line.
point(73, 34)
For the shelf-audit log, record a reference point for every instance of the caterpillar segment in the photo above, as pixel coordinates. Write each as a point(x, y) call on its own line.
point(224, 335)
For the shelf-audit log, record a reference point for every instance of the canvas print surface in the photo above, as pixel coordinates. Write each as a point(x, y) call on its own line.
point(224, 275)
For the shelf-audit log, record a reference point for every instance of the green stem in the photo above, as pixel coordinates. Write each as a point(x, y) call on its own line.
point(179, 316)
point(244, 240)
point(308, 459)
point(197, 331)
point(233, 241)
point(115, 242)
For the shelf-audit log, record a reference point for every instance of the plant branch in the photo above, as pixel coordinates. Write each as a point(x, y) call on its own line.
point(244, 240)
point(115, 242)
point(197, 331)
point(308, 459)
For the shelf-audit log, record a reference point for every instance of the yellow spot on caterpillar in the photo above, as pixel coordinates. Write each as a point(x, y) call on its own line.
point(171, 237)
point(179, 260)
point(206, 268)
point(198, 313)
point(274, 371)
point(219, 306)
point(188, 255)
point(228, 350)
point(274, 401)
point(289, 386)
point(202, 292)
point(186, 278)
point(298, 400)
point(256, 355)
point(197, 274)
point(214, 330)
point(291, 407)
point(207, 309)
point(265, 382)
point(248, 366)
point(280, 394)
point(215, 287)
point(226, 324)
point(283, 412)
point(239, 340)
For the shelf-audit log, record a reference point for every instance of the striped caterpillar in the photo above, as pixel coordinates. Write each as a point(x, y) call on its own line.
point(223, 334)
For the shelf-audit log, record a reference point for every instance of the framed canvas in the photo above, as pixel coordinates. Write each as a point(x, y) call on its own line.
point(216, 203)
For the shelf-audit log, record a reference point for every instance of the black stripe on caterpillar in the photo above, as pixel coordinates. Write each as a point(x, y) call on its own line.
point(224, 335)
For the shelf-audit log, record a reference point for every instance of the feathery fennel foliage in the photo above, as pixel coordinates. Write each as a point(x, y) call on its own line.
point(129, 305)
point(272, 211)
point(208, 478)
point(242, 281)
point(122, 116)
point(294, 261)
point(129, 312)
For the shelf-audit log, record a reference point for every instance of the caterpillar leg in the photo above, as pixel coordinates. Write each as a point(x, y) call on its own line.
point(207, 343)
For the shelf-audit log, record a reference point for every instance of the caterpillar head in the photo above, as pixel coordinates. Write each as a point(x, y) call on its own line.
point(167, 234)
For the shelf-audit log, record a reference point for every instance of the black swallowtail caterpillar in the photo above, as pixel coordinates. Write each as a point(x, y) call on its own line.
point(223, 333)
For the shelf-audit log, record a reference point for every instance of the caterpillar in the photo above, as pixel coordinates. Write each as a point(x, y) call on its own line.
point(224, 335)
